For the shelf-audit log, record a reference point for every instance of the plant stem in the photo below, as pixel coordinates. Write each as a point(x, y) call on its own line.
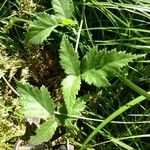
point(80, 28)
point(10, 86)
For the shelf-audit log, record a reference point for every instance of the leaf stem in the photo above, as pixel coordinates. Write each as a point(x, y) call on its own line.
point(80, 28)
point(100, 120)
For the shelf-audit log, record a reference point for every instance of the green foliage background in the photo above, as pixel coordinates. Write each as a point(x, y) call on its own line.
point(79, 64)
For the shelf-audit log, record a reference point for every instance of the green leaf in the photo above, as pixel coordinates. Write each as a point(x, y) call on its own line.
point(44, 132)
point(63, 8)
point(78, 107)
point(98, 66)
point(95, 77)
point(70, 88)
point(74, 114)
point(36, 103)
point(64, 118)
point(69, 58)
point(67, 22)
point(41, 28)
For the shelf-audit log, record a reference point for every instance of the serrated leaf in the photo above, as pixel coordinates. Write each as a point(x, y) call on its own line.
point(70, 88)
point(41, 28)
point(95, 77)
point(36, 103)
point(89, 60)
point(63, 8)
point(78, 107)
point(69, 58)
point(97, 66)
point(44, 132)
point(64, 118)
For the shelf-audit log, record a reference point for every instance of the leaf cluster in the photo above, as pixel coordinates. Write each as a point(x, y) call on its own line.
point(86, 62)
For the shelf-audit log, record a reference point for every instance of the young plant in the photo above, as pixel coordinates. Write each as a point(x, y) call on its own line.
point(122, 27)
point(96, 67)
